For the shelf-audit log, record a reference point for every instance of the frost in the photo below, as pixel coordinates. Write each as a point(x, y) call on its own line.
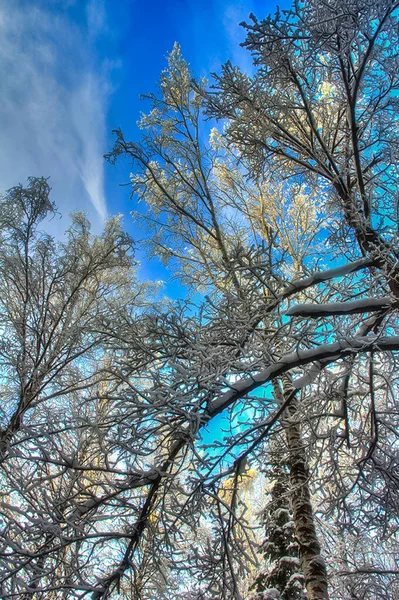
point(281, 512)
point(296, 580)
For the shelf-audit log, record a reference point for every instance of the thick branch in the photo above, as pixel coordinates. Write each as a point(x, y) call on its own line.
point(365, 305)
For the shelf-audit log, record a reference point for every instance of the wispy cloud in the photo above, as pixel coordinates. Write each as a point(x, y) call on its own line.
point(54, 98)
point(234, 14)
point(96, 17)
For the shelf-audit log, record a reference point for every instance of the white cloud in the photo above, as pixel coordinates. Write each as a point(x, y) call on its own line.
point(53, 108)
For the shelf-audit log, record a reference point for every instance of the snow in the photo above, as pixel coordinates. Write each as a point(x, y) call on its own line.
point(296, 582)
point(319, 277)
point(341, 308)
point(297, 359)
point(270, 594)
point(281, 512)
point(292, 561)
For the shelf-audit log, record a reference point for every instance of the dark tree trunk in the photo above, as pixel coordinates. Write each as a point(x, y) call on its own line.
point(313, 566)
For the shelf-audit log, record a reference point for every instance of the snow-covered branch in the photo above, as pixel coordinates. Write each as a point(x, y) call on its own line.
point(321, 276)
point(300, 358)
point(364, 305)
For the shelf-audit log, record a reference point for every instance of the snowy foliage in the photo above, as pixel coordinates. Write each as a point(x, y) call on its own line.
point(133, 430)
point(282, 578)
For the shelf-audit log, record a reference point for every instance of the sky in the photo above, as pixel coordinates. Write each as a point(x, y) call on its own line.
point(71, 71)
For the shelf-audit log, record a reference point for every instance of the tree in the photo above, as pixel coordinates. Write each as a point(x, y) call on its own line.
point(321, 108)
point(323, 104)
point(282, 120)
point(66, 312)
point(53, 304)
point(200, 199)
point(282, 577)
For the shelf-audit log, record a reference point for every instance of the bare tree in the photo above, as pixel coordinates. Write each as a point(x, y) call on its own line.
point(321, 107)
point(67, 310)
point(54, 306)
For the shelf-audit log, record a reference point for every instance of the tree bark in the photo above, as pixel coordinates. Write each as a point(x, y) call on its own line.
point(312, 563)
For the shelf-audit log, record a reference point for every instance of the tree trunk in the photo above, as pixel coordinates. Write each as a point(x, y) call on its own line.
point(312, 563)
point(313, 566)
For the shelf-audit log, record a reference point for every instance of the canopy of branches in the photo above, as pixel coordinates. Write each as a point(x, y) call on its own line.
point(243, 442)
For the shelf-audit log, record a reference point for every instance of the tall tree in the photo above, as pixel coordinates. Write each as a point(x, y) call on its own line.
point(53, 304)
point(67, 309)
point(244, 238)
point(321, 107)
point(281, 578)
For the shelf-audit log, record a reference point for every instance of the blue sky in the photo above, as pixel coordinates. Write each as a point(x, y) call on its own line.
point(73, 70)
